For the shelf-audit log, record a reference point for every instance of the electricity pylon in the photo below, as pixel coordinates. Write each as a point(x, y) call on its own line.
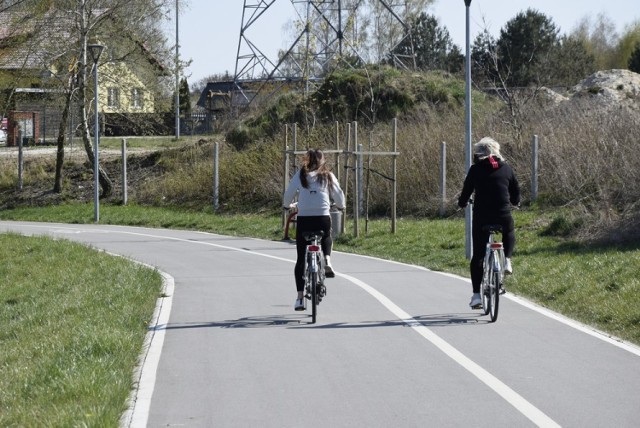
point(325, 37)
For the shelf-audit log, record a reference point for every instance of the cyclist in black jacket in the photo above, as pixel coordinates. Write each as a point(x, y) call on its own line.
point(496, 190)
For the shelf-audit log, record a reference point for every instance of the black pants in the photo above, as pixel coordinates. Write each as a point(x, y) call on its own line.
point(310, 224)
point(480, 240)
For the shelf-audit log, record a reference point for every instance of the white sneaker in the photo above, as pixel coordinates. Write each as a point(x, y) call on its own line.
point(328, 269)
point(507, 266)
point(299, 306)
point(476, 301)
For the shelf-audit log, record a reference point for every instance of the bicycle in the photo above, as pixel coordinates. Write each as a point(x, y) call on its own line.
point(492, 285)
point(314, 274)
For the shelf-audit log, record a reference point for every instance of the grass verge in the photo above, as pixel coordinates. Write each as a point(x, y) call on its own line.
point(71, 334)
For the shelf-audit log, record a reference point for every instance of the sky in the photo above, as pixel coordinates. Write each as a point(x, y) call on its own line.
point(209, 30)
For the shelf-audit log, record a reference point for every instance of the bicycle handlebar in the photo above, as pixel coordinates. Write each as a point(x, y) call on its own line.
point(513, 207)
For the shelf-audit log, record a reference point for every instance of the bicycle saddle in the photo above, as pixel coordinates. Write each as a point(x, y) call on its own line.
point(492, 228)
point(309, 235)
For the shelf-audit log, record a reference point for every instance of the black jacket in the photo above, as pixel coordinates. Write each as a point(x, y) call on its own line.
point(496, 189)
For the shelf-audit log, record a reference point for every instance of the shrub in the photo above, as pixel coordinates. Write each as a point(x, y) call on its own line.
point(562, 226)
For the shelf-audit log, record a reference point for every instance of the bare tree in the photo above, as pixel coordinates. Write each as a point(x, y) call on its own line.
point(389, 23)
point(59, 32)
point(600, 37)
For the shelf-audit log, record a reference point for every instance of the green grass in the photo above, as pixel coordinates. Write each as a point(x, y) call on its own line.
point(597, 285)
point(71, 334)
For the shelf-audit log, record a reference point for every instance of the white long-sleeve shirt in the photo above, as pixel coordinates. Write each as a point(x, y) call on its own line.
point(315, 200)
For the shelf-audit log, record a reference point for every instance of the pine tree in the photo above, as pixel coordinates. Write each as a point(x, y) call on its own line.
point(432, 46)
point(185, 97)
point(524, 47)
point(634, 61)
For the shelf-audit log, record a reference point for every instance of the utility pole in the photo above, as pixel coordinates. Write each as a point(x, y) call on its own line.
point(467, 146)
point(177, 98)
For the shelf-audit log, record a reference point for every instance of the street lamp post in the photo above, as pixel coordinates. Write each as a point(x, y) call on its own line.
point(177, 94)
point(467, 105)
point(96, 51)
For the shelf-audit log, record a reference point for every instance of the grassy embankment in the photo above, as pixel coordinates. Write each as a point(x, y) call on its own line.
point(73, 322)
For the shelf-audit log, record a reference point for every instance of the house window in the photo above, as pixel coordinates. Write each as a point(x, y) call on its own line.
point(113, 97)
point(136, 98)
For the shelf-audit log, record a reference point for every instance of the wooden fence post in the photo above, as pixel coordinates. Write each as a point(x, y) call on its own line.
point(285, 170)
point(394, 183)
point(356, 181)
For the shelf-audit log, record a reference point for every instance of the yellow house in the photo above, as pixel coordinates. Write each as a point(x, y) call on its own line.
point(35, 68)
point(121, 90)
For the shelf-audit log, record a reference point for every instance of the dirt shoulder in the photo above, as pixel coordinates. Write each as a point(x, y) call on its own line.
point(77, 175)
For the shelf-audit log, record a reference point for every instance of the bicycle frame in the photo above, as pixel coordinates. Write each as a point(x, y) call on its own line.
point(497, 250)
point(493, 275)
point(314, 273)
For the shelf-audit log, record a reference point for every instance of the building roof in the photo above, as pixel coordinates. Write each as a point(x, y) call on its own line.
point(23, 46)
point(223, 92)
point(35, 42)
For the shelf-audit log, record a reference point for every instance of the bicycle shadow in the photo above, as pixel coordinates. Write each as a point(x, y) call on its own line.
point(245, 322)
point(431, 320)
point(303, 320)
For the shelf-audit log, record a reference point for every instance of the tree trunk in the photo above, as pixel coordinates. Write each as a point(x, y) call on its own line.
point(103, 178)
point(62, 130)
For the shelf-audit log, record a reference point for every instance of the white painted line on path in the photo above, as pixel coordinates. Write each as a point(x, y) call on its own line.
point(510, 396)
point(139, 405)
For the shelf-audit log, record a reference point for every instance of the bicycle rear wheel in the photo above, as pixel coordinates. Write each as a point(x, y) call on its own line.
point(485, 287)
point(494, 295)
point(314, 296)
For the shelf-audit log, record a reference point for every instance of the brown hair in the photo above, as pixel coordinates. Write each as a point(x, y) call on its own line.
point(314, 161)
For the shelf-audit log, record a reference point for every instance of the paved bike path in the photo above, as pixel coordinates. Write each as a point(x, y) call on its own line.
point(395, 345)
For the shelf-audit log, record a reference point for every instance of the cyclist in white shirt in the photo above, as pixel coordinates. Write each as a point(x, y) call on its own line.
point(315, 186)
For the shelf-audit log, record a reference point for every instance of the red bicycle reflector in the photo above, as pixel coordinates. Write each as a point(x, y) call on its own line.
point(314, 248)
point(496, 246)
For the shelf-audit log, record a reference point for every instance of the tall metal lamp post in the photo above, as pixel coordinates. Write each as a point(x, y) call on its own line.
point(96, 51)
point(467, 105)
point(177, 94)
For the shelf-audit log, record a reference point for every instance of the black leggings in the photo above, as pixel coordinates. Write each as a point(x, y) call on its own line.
point(480, 240)
point(310, 224)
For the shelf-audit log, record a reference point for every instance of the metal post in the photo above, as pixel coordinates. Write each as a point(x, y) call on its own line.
point(534, 168)
point(96, 161)
point(443, 179)
point(96, 51)
point(360, 171)
point(124, 172)
point(337, 143)
point(468, 213)
point(20, 160)
point(216, 175)
point(177, 97)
